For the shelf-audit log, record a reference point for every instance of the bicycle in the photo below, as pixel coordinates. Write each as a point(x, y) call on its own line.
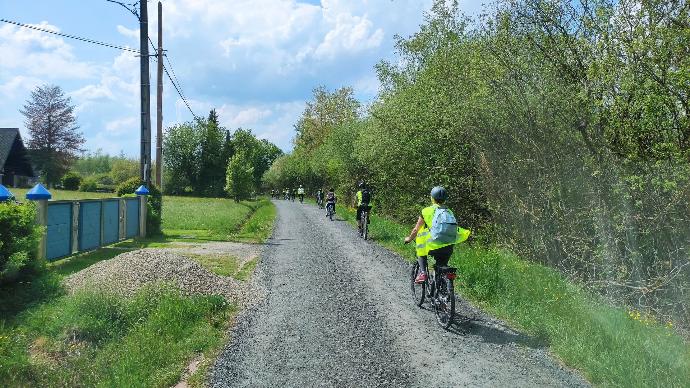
point(364, 223)
point(440, 291)
point(330, 210)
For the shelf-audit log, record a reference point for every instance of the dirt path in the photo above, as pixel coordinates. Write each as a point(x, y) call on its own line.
point(338, 313)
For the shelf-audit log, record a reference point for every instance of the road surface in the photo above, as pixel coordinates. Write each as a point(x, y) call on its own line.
point(338, 313)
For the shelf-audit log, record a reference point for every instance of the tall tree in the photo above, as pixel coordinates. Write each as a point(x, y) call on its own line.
point(51, 122)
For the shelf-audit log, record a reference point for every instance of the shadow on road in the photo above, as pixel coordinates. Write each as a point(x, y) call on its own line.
point(491, 331)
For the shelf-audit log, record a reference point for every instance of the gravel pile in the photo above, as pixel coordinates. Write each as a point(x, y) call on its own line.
point(128, 272)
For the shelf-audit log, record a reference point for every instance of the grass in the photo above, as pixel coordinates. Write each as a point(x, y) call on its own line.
point(59, 195)
point(204, 218)
point(610, 345)
point(49, 338)
point(93, 339)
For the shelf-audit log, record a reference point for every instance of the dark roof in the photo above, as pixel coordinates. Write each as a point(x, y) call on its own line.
point(13, 154)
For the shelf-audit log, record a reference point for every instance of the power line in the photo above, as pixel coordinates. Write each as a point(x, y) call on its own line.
point(87, 40)
point(177, 86)
point(176, 82)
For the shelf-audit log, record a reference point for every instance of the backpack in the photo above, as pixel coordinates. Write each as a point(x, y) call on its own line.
point(444, 226)
point(366, 197)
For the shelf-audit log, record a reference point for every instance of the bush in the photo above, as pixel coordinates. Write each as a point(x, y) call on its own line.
point(154, 204)
point(71, 181)
point(19, 237)
point(90, 184)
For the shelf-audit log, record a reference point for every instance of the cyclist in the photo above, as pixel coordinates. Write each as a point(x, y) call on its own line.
point(441, 219)
point(331, 199)
point(363, 198)
point(319, 198)
point(300, 192)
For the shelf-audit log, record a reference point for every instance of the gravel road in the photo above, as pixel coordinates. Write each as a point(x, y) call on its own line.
point(338, 313)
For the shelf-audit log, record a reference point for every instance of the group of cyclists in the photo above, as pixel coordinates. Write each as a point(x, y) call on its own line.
point(435, 233)
point(288, 194)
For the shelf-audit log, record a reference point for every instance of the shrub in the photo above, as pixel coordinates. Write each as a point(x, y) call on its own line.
point(90, 183)
point(19, 237)
point(155, 203)
point(71, 181)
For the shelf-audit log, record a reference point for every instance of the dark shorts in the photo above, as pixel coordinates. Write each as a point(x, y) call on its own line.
point(360, 209)
point(442, 255)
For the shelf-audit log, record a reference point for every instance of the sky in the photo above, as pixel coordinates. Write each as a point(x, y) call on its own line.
point(255, 61)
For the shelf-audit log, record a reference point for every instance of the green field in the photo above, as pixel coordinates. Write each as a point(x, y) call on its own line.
point(59, 195)
point(612, 346)
point(49, 339)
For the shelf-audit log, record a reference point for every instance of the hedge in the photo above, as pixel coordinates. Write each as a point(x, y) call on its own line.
point(19, 238)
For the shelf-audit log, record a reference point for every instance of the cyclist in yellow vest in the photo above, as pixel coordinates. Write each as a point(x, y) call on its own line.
point(422, 235)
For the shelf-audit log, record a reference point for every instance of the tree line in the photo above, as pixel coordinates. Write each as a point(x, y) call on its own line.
point(203, 158)
point(561, 129)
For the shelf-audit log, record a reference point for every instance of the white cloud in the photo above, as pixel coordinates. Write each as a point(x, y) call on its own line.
point(40, 54)
point(133, 34)
point(123, 125)
point(19, 86)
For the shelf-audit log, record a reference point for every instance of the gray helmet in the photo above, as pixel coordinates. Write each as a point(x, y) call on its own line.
point(438, 193)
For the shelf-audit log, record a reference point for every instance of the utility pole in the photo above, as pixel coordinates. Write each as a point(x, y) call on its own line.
point(159, 102)
point(145, 171)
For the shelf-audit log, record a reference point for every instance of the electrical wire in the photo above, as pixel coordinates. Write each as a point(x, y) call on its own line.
point(176, 85)
point(87, 40)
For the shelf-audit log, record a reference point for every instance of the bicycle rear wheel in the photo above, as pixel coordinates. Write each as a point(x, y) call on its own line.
point(365, 225)
point(418, 290)
point(444, 303)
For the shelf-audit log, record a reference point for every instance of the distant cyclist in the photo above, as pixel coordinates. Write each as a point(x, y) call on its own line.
point(331, 200)
point(436, 233)
point(319, 198)
point(363, 198)
point(300, 192)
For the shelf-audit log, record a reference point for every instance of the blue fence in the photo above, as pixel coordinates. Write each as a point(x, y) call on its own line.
point(82, 225)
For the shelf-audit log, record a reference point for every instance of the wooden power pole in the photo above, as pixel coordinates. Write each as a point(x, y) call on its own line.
point(159, 102)
point(145, 156)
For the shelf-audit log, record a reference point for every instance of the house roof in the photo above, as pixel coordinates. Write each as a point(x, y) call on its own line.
point(13, 154)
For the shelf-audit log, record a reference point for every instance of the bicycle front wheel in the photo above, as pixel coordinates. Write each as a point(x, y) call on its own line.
point(445, 303)
point(418, 289)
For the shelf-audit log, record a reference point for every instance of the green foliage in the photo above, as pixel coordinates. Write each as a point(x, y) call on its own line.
point(154, 203)
point(240, 174)
point(19, 237)
point(197, 156)
point(71, 181)
point(94, 163)
point(123, 169)
point(89, 184)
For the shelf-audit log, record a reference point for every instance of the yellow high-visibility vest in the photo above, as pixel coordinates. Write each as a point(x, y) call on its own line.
point(423, 245)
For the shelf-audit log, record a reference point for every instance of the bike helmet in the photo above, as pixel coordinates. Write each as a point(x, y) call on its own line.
point(439, 194)
point(361, 184)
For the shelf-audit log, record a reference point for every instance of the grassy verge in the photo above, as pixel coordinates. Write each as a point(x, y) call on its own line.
point(610, 345)
point(48, 338)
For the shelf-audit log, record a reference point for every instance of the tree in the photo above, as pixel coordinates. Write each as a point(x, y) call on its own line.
point(54, 141)
point(240, 176)
point(212, 165)
point(321, 115)
point(181, 149)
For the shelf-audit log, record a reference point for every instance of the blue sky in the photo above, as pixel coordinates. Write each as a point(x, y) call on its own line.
point(255, 61)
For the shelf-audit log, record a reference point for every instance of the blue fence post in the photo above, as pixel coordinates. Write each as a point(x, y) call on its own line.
point(142, 192)
point(5, 195)
point(41, 195)
point(75, 227)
